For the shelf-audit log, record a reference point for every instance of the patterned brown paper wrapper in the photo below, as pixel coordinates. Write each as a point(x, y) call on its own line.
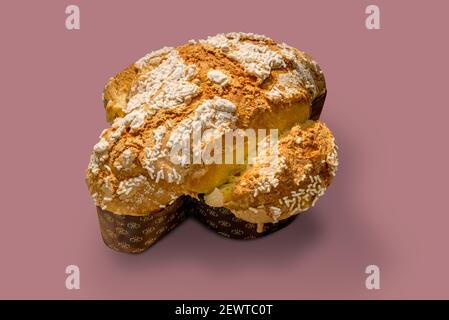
point(225, 223)
point(135, 234)
point(317, 106)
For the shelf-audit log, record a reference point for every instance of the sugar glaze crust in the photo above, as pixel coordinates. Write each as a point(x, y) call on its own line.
point(228, 81)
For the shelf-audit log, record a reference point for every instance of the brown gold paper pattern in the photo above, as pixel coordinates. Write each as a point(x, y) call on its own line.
point(225, 223)
point(135, 234)
point(317, 106)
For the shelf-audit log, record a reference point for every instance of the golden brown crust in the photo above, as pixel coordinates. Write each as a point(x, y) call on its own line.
point(306, 166)
point(115, 94)
point(243, 88)
point(234, 81)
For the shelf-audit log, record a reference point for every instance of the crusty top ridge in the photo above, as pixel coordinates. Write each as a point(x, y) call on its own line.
point(228, 81)
point(251, 68)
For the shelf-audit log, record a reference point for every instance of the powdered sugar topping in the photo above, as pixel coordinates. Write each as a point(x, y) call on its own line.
point(166, 86)
point(258, 59)
point(126, 187)
point(290, 84)
point(213, 118)
point(218, 77)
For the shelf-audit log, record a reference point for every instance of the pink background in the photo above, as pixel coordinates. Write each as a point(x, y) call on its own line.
point(385, 105)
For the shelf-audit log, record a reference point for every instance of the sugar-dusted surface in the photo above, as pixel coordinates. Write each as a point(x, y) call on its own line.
point(386, 106)
point(181, 91)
